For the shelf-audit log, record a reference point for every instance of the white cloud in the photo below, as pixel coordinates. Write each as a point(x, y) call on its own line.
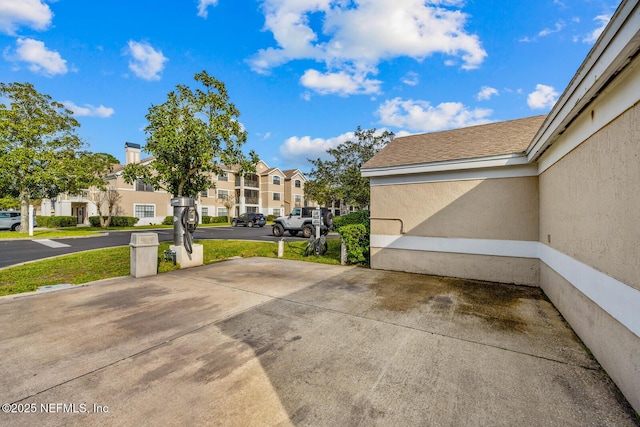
point(593, 36)
point(40, 60)
point(486, 92)
point(558, 27)
point(357, 35)
point(421, 116)
point(410, 79)
point(341, 83)
point(543, 97)
point(203, 5)
point(31, 13)
point(89, 110)
point(146, 63)
point(299, 149)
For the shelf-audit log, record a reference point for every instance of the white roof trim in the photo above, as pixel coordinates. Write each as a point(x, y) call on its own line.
point(449, 165)
point(611, 53)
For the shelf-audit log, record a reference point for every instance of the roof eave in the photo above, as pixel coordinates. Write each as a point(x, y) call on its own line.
point(515, 159)
point(612, 52)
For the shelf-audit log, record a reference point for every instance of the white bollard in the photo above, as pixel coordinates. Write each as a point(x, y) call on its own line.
point(31, 220)
point(280, 248)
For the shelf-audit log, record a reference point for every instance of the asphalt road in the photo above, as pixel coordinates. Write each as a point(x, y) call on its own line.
point(23, 250)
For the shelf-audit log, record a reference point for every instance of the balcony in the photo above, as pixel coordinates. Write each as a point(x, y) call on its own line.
point(251, 200)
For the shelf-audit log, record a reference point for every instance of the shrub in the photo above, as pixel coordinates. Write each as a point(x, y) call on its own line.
point(168, 220)
point(116, 221)
point(56, 221)
point(358, 217)
point(219, 219)
point(206, 219)
point(271, 217)
point(356, 240)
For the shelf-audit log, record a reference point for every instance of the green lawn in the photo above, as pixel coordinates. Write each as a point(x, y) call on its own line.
point(52, 233)
point(114, 262)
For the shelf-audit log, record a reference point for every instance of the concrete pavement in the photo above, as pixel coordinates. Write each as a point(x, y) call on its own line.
point(274, 342)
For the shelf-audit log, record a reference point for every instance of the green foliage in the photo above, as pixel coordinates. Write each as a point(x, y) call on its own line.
point(40, 153)
point(219, 219)
point(190, 136)
point(116, 221)
point(339, 178)
point(271, 217)
point(358, 217)
point(168, 220)
point(56, 221)
point(9, 202)
point(356, 240)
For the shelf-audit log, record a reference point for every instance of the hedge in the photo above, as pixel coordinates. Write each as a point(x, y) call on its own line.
point(116, 221)
point(356, 240)
point(56, 221)
point(358, 217)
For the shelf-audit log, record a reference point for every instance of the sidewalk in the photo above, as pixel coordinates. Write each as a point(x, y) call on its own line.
point(263, 341)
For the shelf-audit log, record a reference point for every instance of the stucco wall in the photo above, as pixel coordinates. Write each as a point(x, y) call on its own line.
point(505, 208)
point(612, 344)
point(590, 203)
point(520, 271)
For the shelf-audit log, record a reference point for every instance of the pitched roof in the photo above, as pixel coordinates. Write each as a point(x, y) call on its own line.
point(509, 137)
point(289, 173)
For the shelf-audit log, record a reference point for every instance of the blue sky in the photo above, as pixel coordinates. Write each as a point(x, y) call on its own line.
point(303, 73)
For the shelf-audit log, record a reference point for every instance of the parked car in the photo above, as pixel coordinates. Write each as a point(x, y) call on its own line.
point(249, 220)
point(10, 220)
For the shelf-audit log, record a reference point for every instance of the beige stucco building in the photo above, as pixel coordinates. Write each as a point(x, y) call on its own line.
point(270, 191)
point(549, 201)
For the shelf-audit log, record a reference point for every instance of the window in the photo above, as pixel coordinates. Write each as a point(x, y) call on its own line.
point(276, 180)
point(223, 177)
point(142, 186)
point(276, 196)
point(205, 211)
point(204, 193)
point(298, 200)
point(276, 212)
point(144, 211)
point(297, 183)
point(222, 211)
point(223, 194)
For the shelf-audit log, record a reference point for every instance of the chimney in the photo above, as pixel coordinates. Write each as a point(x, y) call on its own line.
point(131, 153)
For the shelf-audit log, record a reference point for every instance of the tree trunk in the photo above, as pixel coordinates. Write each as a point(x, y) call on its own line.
point(24, 213)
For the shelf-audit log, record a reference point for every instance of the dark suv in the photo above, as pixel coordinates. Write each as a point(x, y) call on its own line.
point(249, 220)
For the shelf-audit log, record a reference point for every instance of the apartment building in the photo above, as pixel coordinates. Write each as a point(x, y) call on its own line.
point(270, 191)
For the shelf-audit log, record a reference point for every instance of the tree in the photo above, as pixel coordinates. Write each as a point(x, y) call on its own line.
point(229, 202)
point(189, 137)
point(339, 178)
point(40, 153)
point(109, 197)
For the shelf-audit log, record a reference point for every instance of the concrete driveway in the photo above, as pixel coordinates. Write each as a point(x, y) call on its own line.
point(273, 342)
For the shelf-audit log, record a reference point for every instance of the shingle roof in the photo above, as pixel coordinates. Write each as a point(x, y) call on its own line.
point(509, 137)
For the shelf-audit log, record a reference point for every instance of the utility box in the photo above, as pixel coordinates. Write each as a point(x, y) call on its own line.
point(144, 254)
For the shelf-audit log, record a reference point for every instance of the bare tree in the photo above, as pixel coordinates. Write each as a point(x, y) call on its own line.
point(108, 198)
point(228, 202)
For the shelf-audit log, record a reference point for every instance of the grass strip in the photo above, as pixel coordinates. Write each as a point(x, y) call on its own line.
point(100, 264)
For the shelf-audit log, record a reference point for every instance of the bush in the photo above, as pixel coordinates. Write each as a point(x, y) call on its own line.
point(359, 217)
point(56, 221)
point(219, 219)
point(356, 240)
point(168, 220)
point(271, 217)
point(116, 221)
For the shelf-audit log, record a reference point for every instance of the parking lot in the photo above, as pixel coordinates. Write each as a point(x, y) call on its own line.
point(273, 342)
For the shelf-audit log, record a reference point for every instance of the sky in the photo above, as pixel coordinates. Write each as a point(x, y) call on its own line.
point(304, 74)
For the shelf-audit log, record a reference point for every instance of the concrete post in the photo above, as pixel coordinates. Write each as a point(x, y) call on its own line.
point(343, 253)
point(280, 248)
point(144, 254)
point(31, 220)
